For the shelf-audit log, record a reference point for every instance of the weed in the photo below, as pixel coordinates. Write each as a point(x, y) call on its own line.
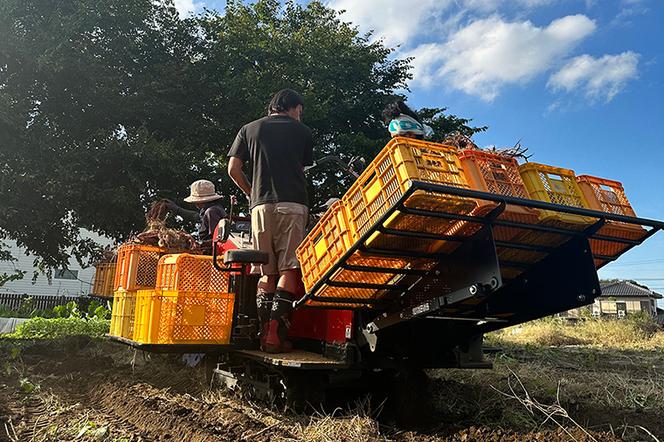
point(27, 387)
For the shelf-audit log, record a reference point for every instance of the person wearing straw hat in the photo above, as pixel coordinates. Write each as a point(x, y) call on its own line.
point(204, 196)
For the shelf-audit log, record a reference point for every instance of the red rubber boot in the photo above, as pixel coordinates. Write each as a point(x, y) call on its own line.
point(276, 340)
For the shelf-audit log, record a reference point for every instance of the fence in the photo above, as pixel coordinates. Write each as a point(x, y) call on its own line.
point(12, 301)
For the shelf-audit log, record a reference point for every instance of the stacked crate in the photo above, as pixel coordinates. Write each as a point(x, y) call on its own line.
point(136, 269)
point(390, 175)
point(609, 196)
point(190, 303)
point(376, 191)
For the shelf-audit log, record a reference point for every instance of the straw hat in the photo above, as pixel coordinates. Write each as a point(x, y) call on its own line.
point(202, 191)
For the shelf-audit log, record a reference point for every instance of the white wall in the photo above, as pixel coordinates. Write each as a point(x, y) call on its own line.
point(57, 286)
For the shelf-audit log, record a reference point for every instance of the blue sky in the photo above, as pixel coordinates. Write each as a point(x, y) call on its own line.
point(581, 82)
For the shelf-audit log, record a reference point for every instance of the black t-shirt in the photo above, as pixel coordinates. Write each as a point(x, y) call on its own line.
point(278, 147)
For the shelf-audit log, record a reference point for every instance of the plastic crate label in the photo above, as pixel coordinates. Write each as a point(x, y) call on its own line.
point(194, 315)
point(320, 246)
point(374, 189)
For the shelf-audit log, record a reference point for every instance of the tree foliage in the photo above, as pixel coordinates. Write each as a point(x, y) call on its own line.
point(106, 106)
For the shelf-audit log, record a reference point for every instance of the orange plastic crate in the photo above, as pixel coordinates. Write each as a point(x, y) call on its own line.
point(499, 174)
point(327, 242)
point(176, 317)
point(344, 275)
point(386, 179)
point(609, 196)
point(324, 245)
point(122, 314)
point(190, 273)
point(104, 279)
point(136, 267)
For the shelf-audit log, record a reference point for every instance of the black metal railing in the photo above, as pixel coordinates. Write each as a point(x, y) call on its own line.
point(15, 301)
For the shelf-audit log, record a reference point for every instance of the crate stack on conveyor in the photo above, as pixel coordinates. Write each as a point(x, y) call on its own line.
point(163, 298)
point(333, 274)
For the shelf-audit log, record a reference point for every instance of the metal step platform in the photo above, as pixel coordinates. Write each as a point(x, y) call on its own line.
point(172, 348)
point(294, 359)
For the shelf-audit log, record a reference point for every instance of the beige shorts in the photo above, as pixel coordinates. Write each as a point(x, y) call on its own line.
point(278, 229)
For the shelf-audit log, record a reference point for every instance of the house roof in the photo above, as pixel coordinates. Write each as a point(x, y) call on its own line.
point(627, 289)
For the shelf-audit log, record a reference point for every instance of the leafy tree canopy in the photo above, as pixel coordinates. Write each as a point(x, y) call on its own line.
point(107, 106)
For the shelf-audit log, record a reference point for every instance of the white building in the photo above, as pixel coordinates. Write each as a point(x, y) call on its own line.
point(73, 281)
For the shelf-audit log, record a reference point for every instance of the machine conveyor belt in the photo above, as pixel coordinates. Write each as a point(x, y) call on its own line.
point(470, 248)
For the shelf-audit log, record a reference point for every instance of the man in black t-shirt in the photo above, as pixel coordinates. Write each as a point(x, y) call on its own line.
point(277, 148)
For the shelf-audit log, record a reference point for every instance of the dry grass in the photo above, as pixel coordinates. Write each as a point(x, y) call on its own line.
point(637, 332)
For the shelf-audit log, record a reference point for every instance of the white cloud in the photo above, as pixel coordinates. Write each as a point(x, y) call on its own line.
point(397, 22)
point(598, 78)
point(487, 54)
point(186, 7)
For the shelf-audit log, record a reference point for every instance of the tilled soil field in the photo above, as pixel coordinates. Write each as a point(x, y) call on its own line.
point(79, 389)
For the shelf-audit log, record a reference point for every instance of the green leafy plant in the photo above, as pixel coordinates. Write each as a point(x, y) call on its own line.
point(53, 328)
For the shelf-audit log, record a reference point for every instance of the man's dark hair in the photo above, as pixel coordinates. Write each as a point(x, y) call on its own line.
point(396, 108)
point(284, 100)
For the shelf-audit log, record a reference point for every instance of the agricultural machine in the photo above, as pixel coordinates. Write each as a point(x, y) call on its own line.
point(430, 249)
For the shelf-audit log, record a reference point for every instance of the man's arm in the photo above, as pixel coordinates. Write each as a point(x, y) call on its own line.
point(237, 175)
point(188, 215)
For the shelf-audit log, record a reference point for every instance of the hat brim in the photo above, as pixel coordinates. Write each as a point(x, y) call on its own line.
point(202, 199)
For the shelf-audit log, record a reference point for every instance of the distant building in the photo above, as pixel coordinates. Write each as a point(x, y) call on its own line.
point(620, 298)
point(74, 280)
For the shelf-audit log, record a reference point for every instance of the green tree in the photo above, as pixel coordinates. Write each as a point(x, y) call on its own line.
point(107, 106)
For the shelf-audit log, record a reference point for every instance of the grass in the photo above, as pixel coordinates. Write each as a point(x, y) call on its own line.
point(634, 332)
point(599, 376)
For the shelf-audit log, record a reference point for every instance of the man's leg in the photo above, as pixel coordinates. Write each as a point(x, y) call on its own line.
point(261, 233)
point(291, 222)
point(264, 298)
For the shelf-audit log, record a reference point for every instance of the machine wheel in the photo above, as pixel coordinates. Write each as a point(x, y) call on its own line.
point(305, 390)
point(408, 397)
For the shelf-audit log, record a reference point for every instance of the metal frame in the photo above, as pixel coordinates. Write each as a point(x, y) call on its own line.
point(490, 220)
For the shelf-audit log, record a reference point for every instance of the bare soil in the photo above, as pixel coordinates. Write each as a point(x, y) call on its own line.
point(78, 389)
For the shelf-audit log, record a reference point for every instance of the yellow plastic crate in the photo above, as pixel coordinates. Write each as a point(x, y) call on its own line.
point(122, 314)
point(175, 317)
point(136, 267)
point(386, 179)
point(555, 185)
point(190, 273)
point(104, 279)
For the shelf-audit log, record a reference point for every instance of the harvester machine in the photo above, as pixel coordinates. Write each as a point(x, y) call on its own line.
point(403, 296)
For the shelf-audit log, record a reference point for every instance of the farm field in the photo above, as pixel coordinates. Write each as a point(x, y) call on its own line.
point(81, 389)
